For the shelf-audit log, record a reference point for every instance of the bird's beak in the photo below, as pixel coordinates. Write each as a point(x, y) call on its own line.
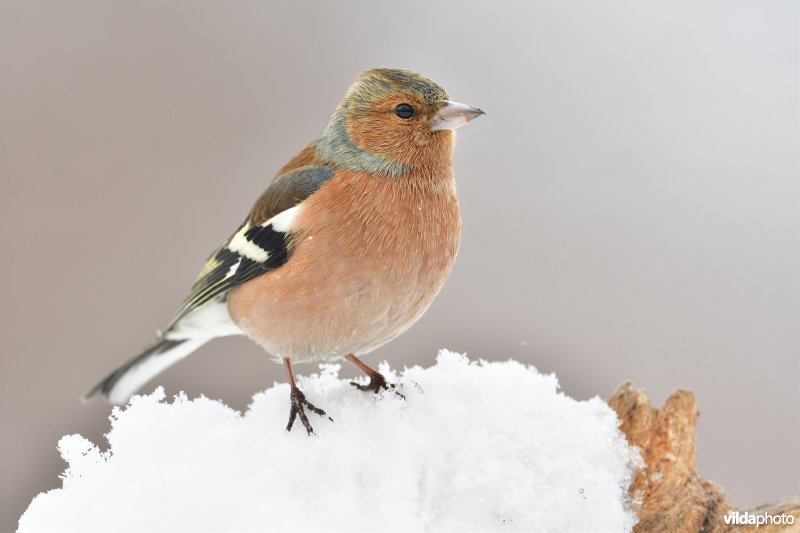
point(454, 115)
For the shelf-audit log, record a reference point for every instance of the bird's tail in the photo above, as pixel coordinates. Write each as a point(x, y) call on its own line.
point(121, 384)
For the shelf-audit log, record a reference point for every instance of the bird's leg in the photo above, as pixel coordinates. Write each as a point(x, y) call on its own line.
point(376, 380)
point(298, 402)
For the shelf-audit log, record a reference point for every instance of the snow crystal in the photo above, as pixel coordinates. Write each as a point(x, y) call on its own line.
point(473, 447)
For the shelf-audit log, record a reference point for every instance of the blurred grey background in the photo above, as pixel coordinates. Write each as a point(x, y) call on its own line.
point(630, 202)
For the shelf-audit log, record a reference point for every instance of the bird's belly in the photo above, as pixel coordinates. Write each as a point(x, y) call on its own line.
point(325, 313)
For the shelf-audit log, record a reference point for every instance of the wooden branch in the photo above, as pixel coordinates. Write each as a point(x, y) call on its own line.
point(667, 491)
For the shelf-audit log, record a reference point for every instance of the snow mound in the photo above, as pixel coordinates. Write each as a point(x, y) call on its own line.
point(473, 447)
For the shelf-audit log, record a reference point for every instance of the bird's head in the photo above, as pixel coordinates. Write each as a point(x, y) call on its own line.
point(391, 121)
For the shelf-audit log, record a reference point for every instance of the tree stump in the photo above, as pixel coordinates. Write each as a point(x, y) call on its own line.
point(668, 493)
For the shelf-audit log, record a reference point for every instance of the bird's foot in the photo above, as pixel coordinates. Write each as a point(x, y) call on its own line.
point(298, 400)
point(376, 384)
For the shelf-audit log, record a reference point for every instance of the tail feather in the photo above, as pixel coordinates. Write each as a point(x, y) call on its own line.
point(121, 384)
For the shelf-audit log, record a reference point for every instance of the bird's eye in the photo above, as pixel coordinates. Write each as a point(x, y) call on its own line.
point(404, 111)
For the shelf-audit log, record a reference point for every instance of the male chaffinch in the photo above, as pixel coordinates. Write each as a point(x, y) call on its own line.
point(346, 248)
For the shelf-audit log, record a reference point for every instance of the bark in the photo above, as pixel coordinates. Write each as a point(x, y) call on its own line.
point(668, 493)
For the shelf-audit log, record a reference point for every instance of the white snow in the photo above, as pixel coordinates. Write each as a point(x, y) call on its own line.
point(473, 447)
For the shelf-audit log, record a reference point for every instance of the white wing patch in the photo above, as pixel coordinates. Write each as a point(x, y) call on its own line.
point(242, 246)
point(284, 220)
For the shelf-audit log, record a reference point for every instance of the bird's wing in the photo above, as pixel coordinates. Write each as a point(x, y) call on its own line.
point(260, 243)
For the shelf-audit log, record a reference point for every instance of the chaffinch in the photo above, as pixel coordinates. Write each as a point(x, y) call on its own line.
point(346, 248)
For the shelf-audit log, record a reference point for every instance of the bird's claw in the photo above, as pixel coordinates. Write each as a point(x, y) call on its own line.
point(298, 400)
point(376, 384)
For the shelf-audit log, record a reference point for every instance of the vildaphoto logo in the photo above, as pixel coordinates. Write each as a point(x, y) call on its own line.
point(760, 519)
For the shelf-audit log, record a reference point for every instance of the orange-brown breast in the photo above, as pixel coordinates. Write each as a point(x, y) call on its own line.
point(369, 254)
